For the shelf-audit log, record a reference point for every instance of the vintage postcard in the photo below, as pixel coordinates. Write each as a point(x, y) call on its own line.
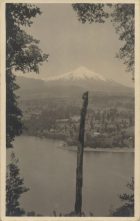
point(70, 107)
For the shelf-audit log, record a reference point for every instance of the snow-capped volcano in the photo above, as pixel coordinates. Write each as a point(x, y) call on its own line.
point(82, 79)
point(81, 73)
point(73, 84)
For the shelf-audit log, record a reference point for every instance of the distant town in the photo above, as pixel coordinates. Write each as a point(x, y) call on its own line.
point(108, 127)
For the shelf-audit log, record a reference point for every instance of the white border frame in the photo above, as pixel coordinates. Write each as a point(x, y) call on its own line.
point(3, 113)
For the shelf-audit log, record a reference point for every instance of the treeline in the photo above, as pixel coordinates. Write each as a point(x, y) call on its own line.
point(104, 128)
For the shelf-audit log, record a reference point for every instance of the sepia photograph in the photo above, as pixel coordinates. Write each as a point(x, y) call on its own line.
point(70, 106)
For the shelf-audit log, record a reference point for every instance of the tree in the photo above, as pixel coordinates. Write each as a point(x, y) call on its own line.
point(14, 188)
point(122, 17)
point(124, 22)
point(127, 209)
point(22, 54)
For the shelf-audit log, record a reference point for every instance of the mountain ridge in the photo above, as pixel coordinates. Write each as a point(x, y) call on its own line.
point(78, 74)
point(72, 83)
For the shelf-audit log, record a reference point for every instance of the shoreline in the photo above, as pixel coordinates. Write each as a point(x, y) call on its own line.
point(107, 150)
point(64, 146)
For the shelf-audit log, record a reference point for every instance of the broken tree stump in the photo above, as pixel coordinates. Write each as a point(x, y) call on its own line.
point(80, 150)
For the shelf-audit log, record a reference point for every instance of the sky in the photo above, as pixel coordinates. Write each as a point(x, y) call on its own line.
point(71, 44)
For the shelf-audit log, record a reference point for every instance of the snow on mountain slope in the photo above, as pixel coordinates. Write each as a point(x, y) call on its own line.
point(85, 79)
point(81, 73)
point(73, 83)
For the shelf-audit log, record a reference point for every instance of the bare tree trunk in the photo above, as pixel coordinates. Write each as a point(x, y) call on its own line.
point(80, 149)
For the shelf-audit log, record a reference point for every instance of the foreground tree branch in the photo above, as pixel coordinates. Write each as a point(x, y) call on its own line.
point(123, 18)
point(22, 54)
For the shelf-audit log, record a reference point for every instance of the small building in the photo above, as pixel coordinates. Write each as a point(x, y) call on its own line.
point(75, 118)
point(61, 123)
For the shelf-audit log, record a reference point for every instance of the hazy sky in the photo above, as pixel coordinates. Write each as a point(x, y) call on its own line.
point(72, 44)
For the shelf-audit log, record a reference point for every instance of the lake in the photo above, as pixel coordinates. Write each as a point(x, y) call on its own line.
point(50, 173)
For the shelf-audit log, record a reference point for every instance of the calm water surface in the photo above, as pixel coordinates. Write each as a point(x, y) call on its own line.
point(50, 172)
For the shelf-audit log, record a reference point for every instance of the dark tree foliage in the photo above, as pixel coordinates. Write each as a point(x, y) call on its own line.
point(14, 188)
point(124, 22)
point(22, 54)
point(90, 12)
point(13, 113)
point(122, 16)
point(127, 209)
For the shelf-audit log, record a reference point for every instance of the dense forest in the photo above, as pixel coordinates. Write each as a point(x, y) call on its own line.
point(107, 125)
